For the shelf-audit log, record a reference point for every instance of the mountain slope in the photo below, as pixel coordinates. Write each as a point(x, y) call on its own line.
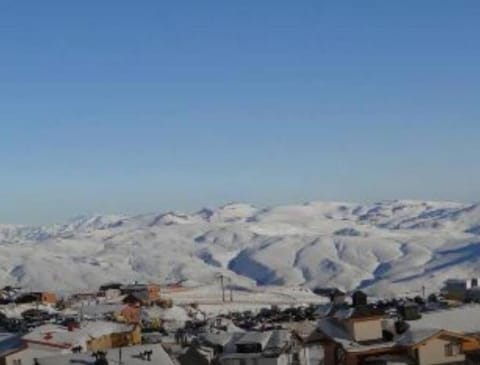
point(386, 247)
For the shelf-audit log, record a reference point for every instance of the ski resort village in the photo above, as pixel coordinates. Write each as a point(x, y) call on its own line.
point(138, 323)
point(320, 283)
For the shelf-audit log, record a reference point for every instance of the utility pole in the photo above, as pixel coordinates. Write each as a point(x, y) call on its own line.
point(231, 289)
point(221, 277)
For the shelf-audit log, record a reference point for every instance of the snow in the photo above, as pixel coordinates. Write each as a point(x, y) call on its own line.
point(130, 356)
point(15, 310)
point(464, 319)
point(56, 335)
point(384, 248)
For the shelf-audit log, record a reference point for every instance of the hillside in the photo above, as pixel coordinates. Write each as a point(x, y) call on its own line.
point(393, 246)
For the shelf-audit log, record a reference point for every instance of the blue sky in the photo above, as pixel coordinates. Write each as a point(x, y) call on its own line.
point(125, 107)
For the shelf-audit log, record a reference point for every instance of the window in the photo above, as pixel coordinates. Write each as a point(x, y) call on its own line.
point(453, 349)
point(17, 362)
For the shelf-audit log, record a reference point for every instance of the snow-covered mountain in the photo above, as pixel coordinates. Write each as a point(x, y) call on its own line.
point(386, 247)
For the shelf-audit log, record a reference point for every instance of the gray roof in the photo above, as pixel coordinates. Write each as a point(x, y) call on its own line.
point(358, 312)
point(273, 344)
point(141, 296)
point(218, 339)
point(134, 287)
point(278, 340)
point(248, 338)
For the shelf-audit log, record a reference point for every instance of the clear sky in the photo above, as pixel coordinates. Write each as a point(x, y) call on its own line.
point(119, 106)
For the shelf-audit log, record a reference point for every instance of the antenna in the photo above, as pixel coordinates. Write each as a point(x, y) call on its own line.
point(81, 313)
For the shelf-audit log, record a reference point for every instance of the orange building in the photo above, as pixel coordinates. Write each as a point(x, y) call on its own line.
point(48, 298)
point(153, 292)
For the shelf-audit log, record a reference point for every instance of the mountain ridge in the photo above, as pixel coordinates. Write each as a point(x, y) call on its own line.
point(385, 247)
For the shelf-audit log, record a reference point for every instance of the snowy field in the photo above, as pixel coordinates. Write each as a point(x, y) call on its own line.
point(209, 298)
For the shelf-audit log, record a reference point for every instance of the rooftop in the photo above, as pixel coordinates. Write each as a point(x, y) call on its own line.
point(261, 338)
point(61, 337)
point(358, 312)
point(130, 356)
point(465, 319)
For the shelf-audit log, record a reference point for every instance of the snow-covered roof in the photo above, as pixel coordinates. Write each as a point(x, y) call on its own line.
point(130, 356)
point(61, 337)
point(278, 340)
point(464, 319)
point(302, 329)
point(413, 337)
point(272, 342)
point(218, 339)
point(333, 329)
point(420, 330)
point(98, 309)
point(175, 313)
point(357, 312)
point(16, 310)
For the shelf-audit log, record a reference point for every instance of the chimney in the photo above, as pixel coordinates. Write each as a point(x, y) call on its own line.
point(337, 297)
point(359, 299)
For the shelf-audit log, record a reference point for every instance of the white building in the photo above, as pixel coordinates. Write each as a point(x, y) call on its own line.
point(276, 347)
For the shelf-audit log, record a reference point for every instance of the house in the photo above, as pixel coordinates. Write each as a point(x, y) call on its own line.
point(275, 347)
point(464, 319)
point(366, 337)
point(432, 347)
point(136, 299)
point(50, 340)
point(9, 293)
point(112, 294)
point(110, 291)
point(148, 293)
point(84, 297)
point(134, 355)
point(46, 298)
point(196, 355)
point(9, 343)
point(409, 311)
point(107, 286)
point(130, 314)
point(94, 311)
point(312, 352)
point(458, 289)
